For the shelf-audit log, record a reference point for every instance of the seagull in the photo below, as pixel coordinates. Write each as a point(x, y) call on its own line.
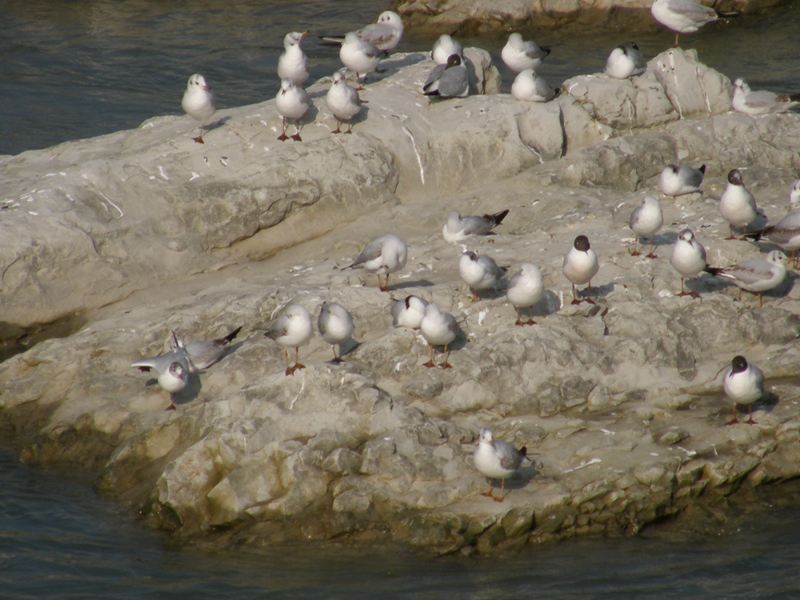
point(449, 80)
point(743, 384)
point(737, 205)
point(293, 63)
point(292, 103)
point(198, 102)
point(761, 102)
point(444, 48)
point(172, 369)
point(479, 272)
point(689, 259)
point(409, 312)
point(382, 256)
point(530, 87)
point(496, 459)
point(786, 232)
point(359, 56)
point(519, 55)
point(335, 325)
point(579, 266)
point(202, 355)
point(677, 181)
point(755, 275)
point(343, 102)
point(458, 228)
point(438, 329)
point(525, 289)
point(384, 35)
point(625, 61)
point(683, 16)
point(646, 219)
point(293, 328)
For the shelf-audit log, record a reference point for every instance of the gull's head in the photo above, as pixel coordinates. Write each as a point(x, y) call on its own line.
point(486, 436)
point(178, 371)
point(515, 40)
point(739, 84)
point(687, 235)
point(650, 200)
point(735, 177)
point(432, 309)
point(286, 85)
point(453, 60)
point(582, 243)
point(293, 38)
point(470, 255)
point(338, 78)
point(794, 194)
point(672, 169)
point(197, 81)
point(738, 364)
point(776, 257)
point(390, 18)
point(351, 38)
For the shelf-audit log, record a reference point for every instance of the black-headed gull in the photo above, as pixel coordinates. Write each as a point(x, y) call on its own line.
point(743, 384)
point(579, 266)
point(737, 205)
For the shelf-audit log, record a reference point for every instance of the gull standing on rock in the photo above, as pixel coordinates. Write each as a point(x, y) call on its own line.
point(293, 63)
point(343, 102)
point(458, 228)
point(743, 384)
point(525, 289)
point(519, 55)
point(291, 329)
point(677, 181)
point(335, 325)
point(359, 56)
point(444, 48)
point(202, 355)
point(755, 275)
point(479, 272)
point(438, 329)
point(382, 256)
point(761, 102)
point(689, 259)
point(683, 16)
point(409, 312)
point(496, 459)
point(625, 61)
point(530, 87)
point(737, 205)
point(646, 219)
point(172, 369)
point(579, 266)
point(786, 232)
point(198, 102)
point(385, 35)
point(449, 80)
point(292, 103)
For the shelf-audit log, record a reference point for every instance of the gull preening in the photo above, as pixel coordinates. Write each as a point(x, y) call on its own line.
point(689, 259)
point(756, 275)
point(335, 326)
point(525, 289)
point(677, 181)
point(625, 61)
point(291, 329)
point(382, 256)
point(737, 205)
point(458, 228)
point(519, 55)
point(293, 63)
point(198, 102)
point(292, 103)
point(579, 266)
point(444, 48)
point(172, 370)
point(743, 384)
point(646, 219)
point(496, 459)
point(202, 355)
point(761, 102)
point(530, 87)
point(409, 312)
point(449, 80)
point(359, 56)
point(343, 101)
point(438, 329)
point(682, 16)
point(479, 272)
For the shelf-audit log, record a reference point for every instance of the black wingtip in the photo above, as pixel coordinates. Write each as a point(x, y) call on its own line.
point(712, 270)
point(498, 217)
point(702, 169)
point(232, 335)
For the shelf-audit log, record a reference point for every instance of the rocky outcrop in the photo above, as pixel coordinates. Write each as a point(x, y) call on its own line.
point(142, 232)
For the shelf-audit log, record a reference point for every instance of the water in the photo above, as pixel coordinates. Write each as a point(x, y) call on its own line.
point(83, 68)
point(59, 540)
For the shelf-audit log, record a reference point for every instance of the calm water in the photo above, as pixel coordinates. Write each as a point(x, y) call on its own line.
point(76, 69)
point(80, 68)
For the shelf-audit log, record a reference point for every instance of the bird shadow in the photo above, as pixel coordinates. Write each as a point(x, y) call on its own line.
point(521, 478)
point(410, 284)
point(348, 347)
point(216, 124)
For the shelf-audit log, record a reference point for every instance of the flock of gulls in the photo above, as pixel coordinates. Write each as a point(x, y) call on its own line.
point(361, 52)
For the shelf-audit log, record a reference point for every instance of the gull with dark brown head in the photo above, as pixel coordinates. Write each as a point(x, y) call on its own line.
point(743, 384)
point(737, 205)
point(449, 80)
point(579, 266)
